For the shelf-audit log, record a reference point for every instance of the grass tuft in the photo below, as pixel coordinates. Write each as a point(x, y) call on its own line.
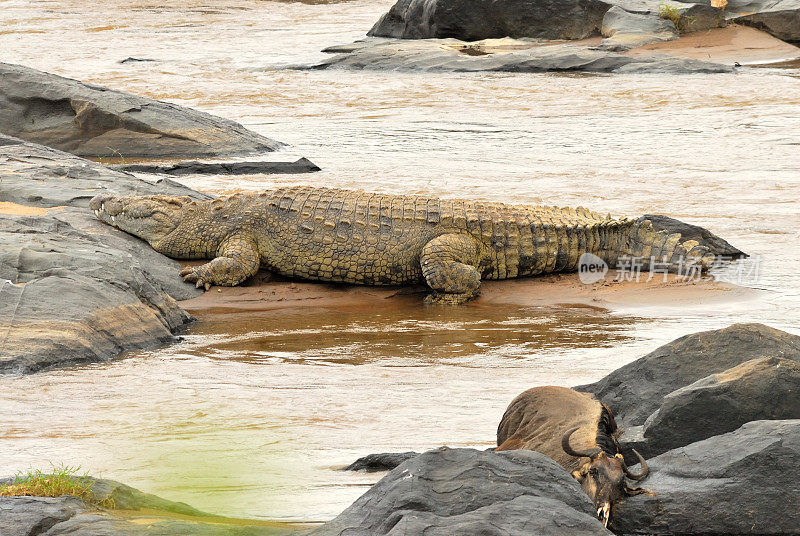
point(61, 480)
point(669, 12)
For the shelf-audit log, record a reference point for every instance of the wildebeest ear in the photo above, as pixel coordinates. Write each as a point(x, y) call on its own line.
point(578, 474)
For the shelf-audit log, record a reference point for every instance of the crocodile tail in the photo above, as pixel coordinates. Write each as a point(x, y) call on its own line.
point(640, 244)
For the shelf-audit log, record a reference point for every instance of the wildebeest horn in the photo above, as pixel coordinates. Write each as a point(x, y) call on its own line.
point(641, 474)
point(572, 452)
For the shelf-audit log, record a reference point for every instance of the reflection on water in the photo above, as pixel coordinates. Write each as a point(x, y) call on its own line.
point(410, 335)
point(247, 415)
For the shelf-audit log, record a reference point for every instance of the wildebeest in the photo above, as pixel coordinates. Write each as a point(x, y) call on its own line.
point(577, 431)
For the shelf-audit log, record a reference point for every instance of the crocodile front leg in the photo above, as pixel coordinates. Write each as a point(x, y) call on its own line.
point(448, 265)
point(237, 259)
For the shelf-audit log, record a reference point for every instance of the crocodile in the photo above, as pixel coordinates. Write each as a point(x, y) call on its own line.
point(349, 236)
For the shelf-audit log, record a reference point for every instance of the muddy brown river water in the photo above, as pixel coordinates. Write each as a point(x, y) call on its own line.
point(249, 414)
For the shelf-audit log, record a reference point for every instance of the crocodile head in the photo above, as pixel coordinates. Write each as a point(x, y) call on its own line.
point(151, 217)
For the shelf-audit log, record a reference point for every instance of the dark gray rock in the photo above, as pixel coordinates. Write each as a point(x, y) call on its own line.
point(715, 244)
point(635, 391)
point(34, 175)
point(465, 491)
point(65, 515)
point(743, 482)
point(67, 297)
point(71, 288)
point(472, 20)
point(624, 30)
point(525, 515)
point(25, 516)
point(384, 461)
point(700, 17)
point(302, 165)
point(510, 55)
point(781, 20)
point(761, 389)
point(131, 59)
point(95, 121)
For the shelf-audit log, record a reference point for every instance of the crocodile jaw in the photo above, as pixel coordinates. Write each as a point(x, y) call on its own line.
point(151, 218)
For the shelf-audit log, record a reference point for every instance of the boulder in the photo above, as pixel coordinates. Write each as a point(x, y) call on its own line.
point(700, 17)
point(472, 20)
point(781, 20)
point(742, 482)
point(384, 461)
point(66, 515)
point(624, 30)
point(761, 389)
point(511, 55)
point(67, 297)
point(73, 289)
point(94, 121)
point(466, 491)
point(635, 391)
point(714, 243)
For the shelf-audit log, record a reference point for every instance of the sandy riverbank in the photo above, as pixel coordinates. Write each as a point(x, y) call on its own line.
point(264, 294)
point(733, 43)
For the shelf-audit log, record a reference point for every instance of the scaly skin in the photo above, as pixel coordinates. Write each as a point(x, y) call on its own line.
point(373, 239)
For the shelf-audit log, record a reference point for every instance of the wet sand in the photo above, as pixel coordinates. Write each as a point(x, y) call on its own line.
point(13, 209)
point(733, 43)
point(265, 293)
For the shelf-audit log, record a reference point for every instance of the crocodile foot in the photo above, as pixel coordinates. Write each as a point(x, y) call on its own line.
point(197, 275)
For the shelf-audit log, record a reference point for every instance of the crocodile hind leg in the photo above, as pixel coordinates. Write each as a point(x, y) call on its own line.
point(448, 264)
point(237, 259)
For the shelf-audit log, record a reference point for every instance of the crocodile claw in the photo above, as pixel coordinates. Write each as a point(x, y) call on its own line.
point(199, 283)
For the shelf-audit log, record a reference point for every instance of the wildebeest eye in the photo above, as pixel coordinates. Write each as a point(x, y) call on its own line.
point(593, 471)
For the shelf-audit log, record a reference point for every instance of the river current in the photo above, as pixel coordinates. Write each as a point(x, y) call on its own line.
point(248, 416)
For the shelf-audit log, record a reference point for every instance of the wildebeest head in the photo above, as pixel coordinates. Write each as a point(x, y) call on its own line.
point(603, 476)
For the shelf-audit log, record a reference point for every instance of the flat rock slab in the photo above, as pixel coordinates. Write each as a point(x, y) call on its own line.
point(635, 391)
point(742, 482)
point(383, 461)
point(302, 165)
point(71, 288)
point(135, 514)
point(38, 176)
point(94, 121)
point(465, 491)
point(449, 55)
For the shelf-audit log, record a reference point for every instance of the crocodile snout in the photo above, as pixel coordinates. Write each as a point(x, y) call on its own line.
point(105, 202)
point(106, 208)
